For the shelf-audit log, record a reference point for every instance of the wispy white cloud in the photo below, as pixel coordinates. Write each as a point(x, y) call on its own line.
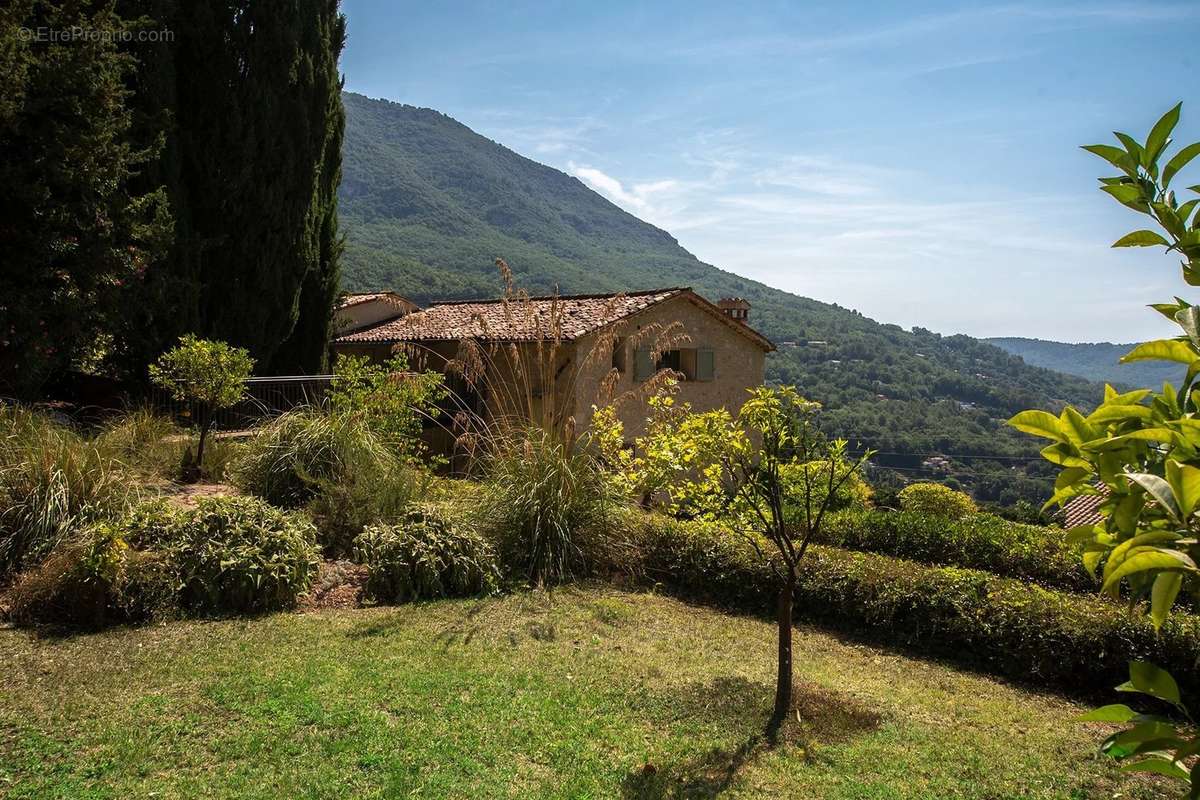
point(652, 201)
point(857, 233)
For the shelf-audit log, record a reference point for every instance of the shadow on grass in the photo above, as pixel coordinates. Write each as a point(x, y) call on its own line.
point(821, 716)
point(460, 631)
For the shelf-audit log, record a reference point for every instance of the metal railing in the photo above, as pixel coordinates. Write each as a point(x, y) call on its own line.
point(265, 397)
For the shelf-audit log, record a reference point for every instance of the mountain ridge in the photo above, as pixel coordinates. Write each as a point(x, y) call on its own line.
point(1096, 361)
point(427, 205)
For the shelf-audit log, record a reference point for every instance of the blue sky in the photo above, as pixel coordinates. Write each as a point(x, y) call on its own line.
point(918, 162)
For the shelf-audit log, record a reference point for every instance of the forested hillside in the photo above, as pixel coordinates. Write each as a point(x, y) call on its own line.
point(427, 205)
point(1097, 361)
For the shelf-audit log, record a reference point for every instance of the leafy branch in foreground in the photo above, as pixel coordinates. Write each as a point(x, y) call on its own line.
point(1141, 451)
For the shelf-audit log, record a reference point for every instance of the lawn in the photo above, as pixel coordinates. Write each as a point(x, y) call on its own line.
point(592, 693)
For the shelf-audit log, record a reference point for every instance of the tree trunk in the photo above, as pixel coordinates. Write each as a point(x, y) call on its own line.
point(783, 679)
point(205, 424)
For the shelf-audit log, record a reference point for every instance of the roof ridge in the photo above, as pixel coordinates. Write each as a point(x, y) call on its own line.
point(594, 296)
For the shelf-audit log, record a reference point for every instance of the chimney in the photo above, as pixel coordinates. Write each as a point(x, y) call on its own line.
point(735, 308)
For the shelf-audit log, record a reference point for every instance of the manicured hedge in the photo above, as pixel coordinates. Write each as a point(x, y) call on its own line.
point(1076, 642)
point(978, 541)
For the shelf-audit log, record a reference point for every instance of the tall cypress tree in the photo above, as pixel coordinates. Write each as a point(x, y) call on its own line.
point(74, 229)
point(305, 350)
point(251, 164)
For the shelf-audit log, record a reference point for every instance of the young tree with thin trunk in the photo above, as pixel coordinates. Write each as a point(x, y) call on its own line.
point(208, 375)
point(769, 507)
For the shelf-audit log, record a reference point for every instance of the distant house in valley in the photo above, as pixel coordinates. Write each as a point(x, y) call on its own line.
point(608, 345)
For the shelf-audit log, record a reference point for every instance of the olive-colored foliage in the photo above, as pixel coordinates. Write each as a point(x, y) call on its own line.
point(334, 465)
point(54, 482)
point(768, 474)
point(75, 585)
point(373, 494)
point(225, 555)
point(936, 500)
point(426, 554)
point(979, 541)
point(853, 493)
point(394, 401)
point(1144, 447)
point(676, 463)
point(679, 465)
point(108, 572)
point(238, 555)
point(205, 372)
point(544, 498)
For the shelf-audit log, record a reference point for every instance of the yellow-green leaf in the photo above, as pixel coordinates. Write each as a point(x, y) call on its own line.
point(1146, 559)
point(1159, 490)
point(1076, 427)
point(1061, 454)
point(1125, 548)
point(1162, 596)
point(1179, 161)
point(1162, 350)
point(1141, 239)
point(1185, 484)
point(1158, 765)
point(1117, 712)
point(1081, 533)
point(1158, 136)
point(1038, 423)
point(1116, 412)
point(1164, 435)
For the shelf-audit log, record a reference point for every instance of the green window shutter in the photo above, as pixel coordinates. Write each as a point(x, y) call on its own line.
point(642, 366)
point(706, 362)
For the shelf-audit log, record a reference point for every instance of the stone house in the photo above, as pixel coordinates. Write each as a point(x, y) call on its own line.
point(558, 356)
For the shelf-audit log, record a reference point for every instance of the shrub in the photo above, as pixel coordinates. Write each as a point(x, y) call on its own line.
point(425, 555)
point(75, 585)
point(543, 499)
point(394, 400)
point(978, 541)
point(936, 500)
point(1007, 626)
point(289, 458)
point(53, 484)
point(342, 510)
point(238, 554)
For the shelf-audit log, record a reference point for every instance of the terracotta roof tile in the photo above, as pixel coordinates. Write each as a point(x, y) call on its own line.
point(526, 321)
point(1084, 509)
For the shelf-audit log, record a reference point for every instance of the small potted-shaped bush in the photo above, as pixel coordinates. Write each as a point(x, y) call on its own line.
point(207, 375)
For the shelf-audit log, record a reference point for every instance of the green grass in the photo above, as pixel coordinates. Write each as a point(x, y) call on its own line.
point(594, 693)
